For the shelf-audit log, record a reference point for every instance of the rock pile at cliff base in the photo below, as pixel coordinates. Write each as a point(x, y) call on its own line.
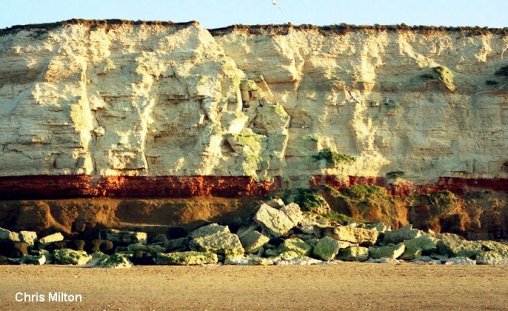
point(279, 234)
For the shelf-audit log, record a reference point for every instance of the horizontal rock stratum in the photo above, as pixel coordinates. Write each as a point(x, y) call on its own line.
point(256, 107)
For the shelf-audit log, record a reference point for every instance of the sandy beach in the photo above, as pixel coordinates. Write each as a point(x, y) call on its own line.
point(344, 286)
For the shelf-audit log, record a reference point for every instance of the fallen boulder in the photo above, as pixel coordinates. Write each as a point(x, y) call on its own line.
point(115, 261)
point(295, 245)
point(9, 235)
point(417, 246)
point(388, 251)
point(404, 233)
point(498, 247)
point(33, 260)
point(186, 258)
point(275, 221)
point(495, 253)
point(361, 236)
point(289, 259)
point(354, 253)
point(253, 241)
point(4, 260)
point(293, 212)
point(271, 252)
point(455, 246)
point(52, 238)
point(275, 203)
point(125, 237)
point(216, 241)
point(70, 257)
point(326, 248)
point(28, 237)
point(209, 230)
point(491, 258)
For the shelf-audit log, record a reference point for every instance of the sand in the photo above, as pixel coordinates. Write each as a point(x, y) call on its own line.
point(344, 286)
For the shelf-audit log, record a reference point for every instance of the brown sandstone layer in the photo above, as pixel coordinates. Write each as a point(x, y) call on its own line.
point(80, 217)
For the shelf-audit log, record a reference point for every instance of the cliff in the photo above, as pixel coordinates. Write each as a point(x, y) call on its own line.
point(278, 105)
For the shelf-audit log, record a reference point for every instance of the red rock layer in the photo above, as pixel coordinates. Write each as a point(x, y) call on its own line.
point(72, 186)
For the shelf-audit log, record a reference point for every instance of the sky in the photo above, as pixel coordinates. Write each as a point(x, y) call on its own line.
point(221, 13)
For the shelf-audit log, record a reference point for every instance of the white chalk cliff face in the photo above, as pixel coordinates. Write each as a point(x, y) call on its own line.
point(159, 100)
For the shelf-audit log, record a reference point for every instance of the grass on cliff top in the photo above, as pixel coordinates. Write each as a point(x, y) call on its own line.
point(343, 28)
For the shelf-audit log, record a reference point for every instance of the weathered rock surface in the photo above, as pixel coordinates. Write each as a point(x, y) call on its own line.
point(275, 221)
point(71, 257)
point(253, 241)
point(495, 253)
point(216, 239)
point(327, 248)
point(55, 237)
point(147, 109)
point(209, 230)
point(354, 235)
point(454, 245)
point(404, 233)
point(354, 253)
point(9, 235)
point(115, 261)
point(295, 245)
point(186, 258)
point(28, 237)
point(388, 251)
point(417, 246)
point(293, 212)
point(491, 258)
